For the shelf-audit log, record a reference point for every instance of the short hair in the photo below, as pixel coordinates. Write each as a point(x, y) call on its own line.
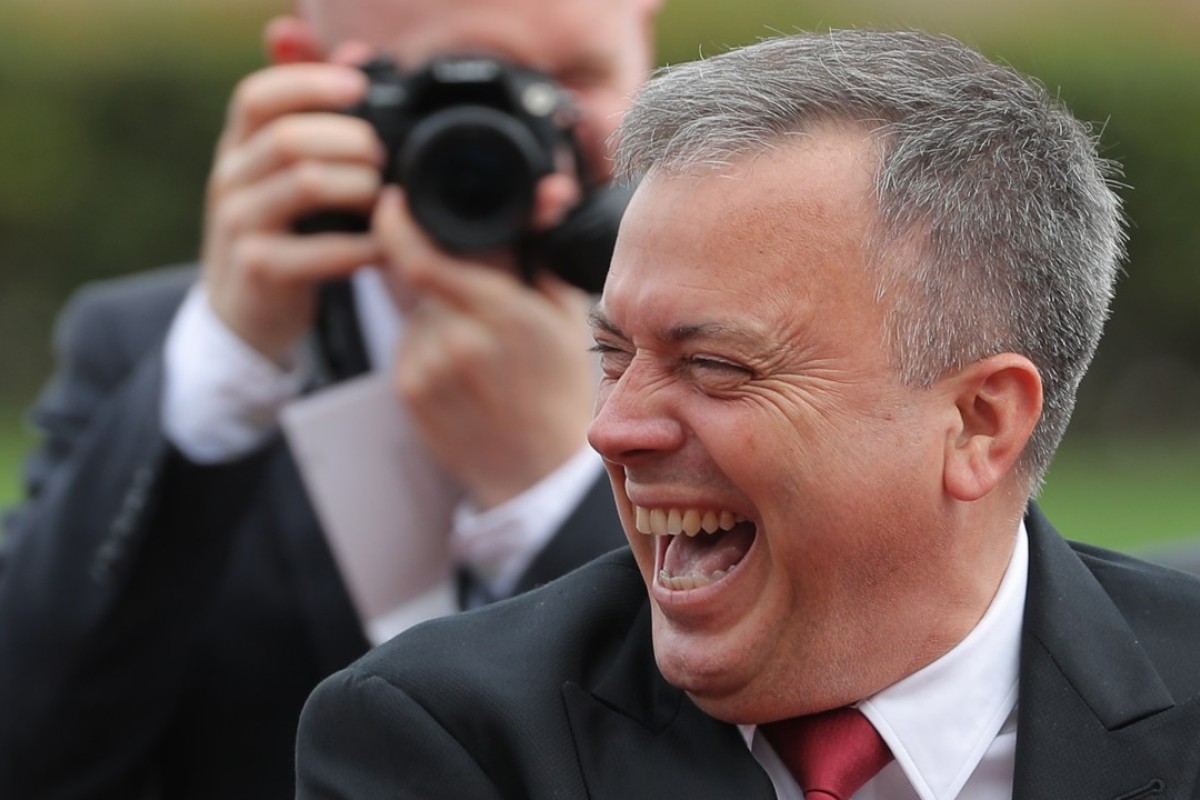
point(997, 226)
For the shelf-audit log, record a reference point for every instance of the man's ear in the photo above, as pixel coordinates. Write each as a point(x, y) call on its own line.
point(998, 401)
point(291, 40)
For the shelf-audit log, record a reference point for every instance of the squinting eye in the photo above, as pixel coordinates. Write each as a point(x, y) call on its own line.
point(613, 360)
point(716, 365)
point(714, 374)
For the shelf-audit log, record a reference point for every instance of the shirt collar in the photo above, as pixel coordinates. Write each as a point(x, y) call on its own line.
point(940, 720)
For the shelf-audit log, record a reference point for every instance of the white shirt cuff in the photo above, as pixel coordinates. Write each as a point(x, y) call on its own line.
point(221, 397)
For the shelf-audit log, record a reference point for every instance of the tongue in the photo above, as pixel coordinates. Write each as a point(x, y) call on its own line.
point(707, 553)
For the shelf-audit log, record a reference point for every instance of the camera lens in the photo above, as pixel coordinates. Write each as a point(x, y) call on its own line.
point(470, 173)
point(475, 171)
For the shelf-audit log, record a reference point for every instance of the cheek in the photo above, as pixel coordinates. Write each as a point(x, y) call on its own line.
point(603, 390)
point(757, 440)
point(810, 470)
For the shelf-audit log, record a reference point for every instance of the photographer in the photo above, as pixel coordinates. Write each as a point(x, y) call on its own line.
point(167, 596)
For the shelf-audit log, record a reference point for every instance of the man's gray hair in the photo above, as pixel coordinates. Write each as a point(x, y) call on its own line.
point(997, 230)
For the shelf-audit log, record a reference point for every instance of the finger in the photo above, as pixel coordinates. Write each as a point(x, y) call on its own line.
point(563, 294)
point(275, 91)
point(276, 259)
point(406, 246)
point(389, 233)
point(278, 201)
point(556, 195)
point(437, 371)
point(468, 284)
point(351, 54)
point(295, 138)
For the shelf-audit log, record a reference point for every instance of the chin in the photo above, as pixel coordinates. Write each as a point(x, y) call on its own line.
point(737, 707)
point(720, 686)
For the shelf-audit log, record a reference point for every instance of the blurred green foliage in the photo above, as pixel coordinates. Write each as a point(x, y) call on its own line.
point(14, 444)
point(1125, 492)
point(109, 112)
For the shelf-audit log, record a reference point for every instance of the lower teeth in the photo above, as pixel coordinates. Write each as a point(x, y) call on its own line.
point(693, 581)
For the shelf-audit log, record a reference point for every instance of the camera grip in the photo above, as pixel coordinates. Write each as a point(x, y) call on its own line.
point(341, 349)
point(333, 222)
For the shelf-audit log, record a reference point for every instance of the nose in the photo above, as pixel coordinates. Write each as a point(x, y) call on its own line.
point(635, 419)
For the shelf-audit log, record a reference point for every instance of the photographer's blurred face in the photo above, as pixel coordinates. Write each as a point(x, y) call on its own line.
point(600, 50)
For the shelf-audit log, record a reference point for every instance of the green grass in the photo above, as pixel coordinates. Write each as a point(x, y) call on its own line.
point(1126, 494)
point(15, 440)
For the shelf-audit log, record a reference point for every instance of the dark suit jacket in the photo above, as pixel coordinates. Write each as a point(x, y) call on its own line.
point(162, 623)
point(556, 695)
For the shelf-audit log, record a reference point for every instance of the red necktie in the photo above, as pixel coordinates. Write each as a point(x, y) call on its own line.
point(831, 754)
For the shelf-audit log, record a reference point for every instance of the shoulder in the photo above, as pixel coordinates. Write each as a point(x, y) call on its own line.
point(1150, 588)
point(139, 292)
point(1155, 600)
point(521, 650)
point(478, 697)
point(1160, 604)
point(126, 313)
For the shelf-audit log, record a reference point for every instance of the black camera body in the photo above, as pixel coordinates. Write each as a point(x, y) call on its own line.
point(469, 138)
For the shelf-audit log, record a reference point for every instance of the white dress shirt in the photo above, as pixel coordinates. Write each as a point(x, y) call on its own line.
point(952, 724)
point(222, 399)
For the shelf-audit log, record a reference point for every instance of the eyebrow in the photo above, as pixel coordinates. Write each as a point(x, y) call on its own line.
point(682, 333)
point(598, 319)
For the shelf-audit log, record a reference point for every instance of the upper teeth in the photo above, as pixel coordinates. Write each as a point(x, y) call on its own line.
point(672, 521)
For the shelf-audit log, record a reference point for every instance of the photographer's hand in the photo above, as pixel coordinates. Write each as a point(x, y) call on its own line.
point(283, 155)
point(497, 373)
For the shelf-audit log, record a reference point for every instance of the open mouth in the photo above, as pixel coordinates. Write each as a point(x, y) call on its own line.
point(696, 547)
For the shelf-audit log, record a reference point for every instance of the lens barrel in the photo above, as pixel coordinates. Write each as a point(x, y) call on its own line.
point(470, 173)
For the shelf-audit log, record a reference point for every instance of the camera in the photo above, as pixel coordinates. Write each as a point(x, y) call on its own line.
point(468, 137)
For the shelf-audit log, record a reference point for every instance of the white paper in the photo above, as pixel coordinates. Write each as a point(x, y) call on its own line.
point(385, 504)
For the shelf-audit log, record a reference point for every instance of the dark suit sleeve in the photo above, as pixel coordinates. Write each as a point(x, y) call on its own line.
point(108, 563)
point(361, 737)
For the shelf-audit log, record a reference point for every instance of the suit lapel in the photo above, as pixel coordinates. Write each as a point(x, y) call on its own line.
point(638, 736)
point(1095, 719)
point(329, 616)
